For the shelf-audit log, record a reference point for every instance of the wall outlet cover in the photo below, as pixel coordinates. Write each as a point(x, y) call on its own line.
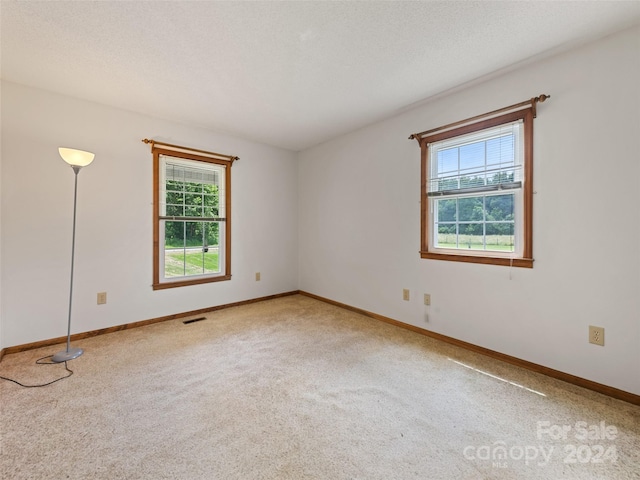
point(596, 335)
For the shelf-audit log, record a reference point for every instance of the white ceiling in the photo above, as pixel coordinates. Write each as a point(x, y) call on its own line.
point(289, 74)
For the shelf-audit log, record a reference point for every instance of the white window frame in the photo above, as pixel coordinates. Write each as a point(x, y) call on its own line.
point(210, 167)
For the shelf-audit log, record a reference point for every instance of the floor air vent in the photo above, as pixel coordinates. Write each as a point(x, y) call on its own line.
point(194, 320)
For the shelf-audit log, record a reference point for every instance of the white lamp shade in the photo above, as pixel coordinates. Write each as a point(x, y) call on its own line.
point(76, 158)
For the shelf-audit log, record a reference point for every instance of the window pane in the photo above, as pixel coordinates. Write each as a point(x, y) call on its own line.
point(447, 237)
point(210, 203)
point(448, 184)
point(212, 230)
point(194, 232)
point(500, 207)
point(179, 234)
point(174, 210)
point(174, 246)
point(174, 200)
point(485, 158)
point(473, 180)
point(174, 186)
point(447, 160)
point(210, 199)
point(194, 211)
point(471, 236)
point(174, 234)
point(446, 210)
point(500, 237)
point(477, 223)
point(193, 204)
point(191, 248)
point(472, 156)
point(501, 150)
point(209, 212)
point(505, 175)
point(470, 209)
point(193, 199)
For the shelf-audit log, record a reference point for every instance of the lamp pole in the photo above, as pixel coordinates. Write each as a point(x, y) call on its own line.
point(76, 159)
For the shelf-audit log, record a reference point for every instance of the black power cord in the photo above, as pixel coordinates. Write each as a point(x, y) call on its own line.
point(41, 362)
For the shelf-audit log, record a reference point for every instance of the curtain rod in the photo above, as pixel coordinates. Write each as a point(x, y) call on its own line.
point(189, 149)
point(518, 106)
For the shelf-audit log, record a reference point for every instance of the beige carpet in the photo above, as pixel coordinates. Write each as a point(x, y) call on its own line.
point(294, 388)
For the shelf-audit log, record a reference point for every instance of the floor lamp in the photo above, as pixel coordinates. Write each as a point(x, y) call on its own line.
point(76, 159)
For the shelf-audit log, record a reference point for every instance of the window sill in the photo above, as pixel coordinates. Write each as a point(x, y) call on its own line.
point(484, 259)
point(184, 283)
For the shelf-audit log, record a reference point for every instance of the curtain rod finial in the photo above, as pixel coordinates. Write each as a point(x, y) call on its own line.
point(415, 136)
point(534, 101)
point(147, 141)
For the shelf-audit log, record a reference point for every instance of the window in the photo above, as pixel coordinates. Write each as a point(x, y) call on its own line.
point(192, 230)
point(476, 203)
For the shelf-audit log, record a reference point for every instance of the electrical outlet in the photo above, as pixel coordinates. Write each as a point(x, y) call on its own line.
point(596, 335)
point(257, 276)
point(102, 298)
point(427, 299)
point(405, 294)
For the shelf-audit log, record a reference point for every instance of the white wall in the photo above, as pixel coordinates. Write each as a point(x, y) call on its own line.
point(114, 231)
point(350, 208)
point(1, 323)
point(360, 225)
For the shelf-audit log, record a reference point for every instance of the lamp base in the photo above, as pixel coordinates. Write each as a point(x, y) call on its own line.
point(67, 355)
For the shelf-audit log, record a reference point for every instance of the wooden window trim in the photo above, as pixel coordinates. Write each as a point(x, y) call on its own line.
point(157, 285)
point(526, 260)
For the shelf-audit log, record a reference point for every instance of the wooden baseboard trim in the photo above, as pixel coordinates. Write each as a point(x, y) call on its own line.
point(550, 372)
point(142, 323)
